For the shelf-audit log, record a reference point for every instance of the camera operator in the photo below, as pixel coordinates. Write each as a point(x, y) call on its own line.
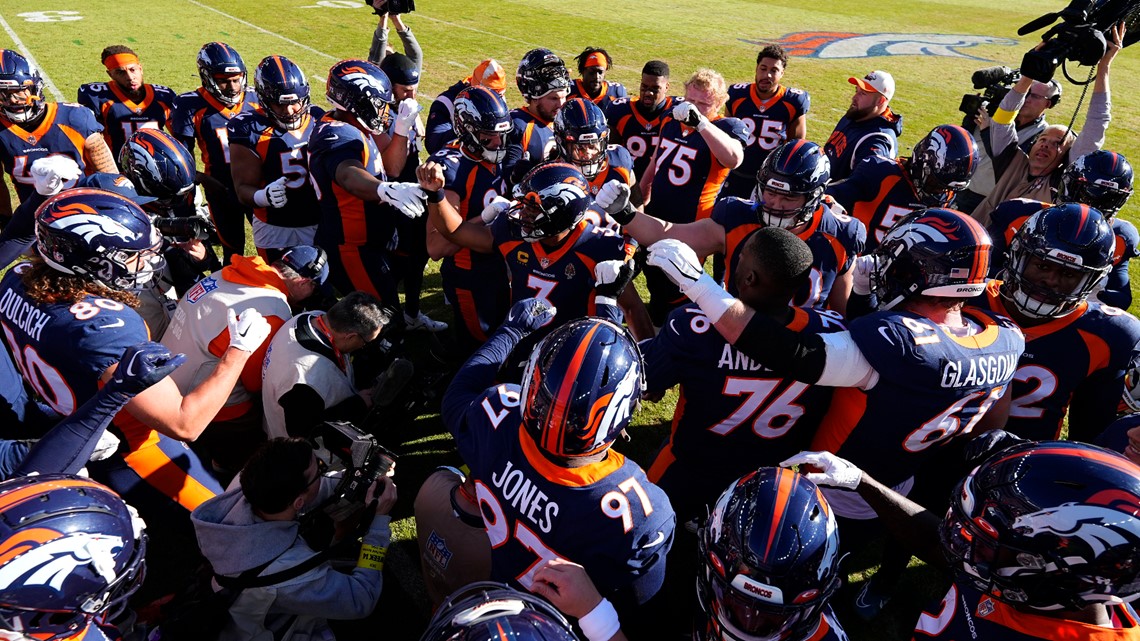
point(1036, 173)
point(1030, 121)
point(307, 377)
point(253, 530)
point(391, 10)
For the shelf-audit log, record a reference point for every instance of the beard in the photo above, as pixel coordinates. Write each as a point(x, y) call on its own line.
point(855, 113)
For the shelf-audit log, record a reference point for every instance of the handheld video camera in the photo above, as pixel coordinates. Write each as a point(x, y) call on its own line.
point(183, 229)
point(343, 446)
point(1079, 37)
point(994, 83)
point(394, 7)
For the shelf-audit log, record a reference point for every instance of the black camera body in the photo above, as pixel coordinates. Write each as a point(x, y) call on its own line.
point(343, 446)
point(1079, 37)
point(183, 229)
point(394, 7)
point(994, 83)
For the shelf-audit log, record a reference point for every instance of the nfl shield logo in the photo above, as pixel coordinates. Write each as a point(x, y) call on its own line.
point(203, 287)
point(544, 261)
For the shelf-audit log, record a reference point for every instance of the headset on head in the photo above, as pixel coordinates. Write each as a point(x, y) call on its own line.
point(1056, 97)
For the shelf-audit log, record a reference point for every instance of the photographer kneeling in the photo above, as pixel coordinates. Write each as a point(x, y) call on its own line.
point(253, 530)
point(1036, 173)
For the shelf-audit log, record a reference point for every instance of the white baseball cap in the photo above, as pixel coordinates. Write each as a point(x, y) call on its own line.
point(879, 81)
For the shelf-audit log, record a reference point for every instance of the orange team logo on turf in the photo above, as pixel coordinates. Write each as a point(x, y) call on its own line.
point(844, 44)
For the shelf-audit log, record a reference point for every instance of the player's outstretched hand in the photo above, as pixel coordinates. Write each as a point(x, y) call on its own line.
point(677, 260)
point(529, 314)
point(406, 117)
point(273, 195)
point(408, 198)
point(51, 172)
point(497, 207)
point(247, 331)
point(688, 115)
point(612, 277)
point(566, 585)
point(613, 197)
point(144, 365)
point(833, 471)
point(865, 268)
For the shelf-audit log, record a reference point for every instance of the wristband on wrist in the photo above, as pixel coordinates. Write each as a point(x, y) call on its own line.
point(434, 196)
point(601, 623)
point(260, 199)
point(371, 557)
point(625, 216)
point(710, 297)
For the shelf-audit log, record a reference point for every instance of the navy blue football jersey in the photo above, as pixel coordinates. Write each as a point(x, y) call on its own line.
point(201, 118)
point(731, 410)
point(346, 219)
point(878, 194)
point(531, 140)
point(688, 178)
point(1074, 364)
point(282, 153)
point(610, 92)
point(637, 131)
point(619, 166)
point(439, 128)
point(61, 131)
point(835, 240)
point(121, 116)
point(765, 121)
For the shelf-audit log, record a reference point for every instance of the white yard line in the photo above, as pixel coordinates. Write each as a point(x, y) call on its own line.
point(31, 60)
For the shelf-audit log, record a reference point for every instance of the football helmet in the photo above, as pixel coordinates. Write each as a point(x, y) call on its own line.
point(932, 252)
point(488, 610)
point(1050, 525)
point(219, 59)
point(769, 559)
point(363, 90)
point(159, 166)
point(1070, 236)
point(16, 75)
point(100, 236)
point(943, 164)
point(551, 198)
point(798, 168)
point(74, 551)
point(581, 386)
point(479, 110)
point(582, 135)
point(1102, 179)
point(540, 72)
point(278, 81)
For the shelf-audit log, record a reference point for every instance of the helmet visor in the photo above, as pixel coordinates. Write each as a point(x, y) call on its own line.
point(749, 615)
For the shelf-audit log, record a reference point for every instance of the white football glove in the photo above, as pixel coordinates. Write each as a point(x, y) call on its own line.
point(247, 331)
point(406, 197)
point(862, 272)
point(678, 261)
point(406, 117)
point(497, 207)
point(834, 471)
point(688, 114)
point(273, 195)
point(107, 445)
point(613, 197)
point(51, 173)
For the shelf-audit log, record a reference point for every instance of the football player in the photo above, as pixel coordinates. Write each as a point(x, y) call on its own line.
point(551, 251)
point(696, 150)
point(924, 365)
point(358, 204)
point(48, 520)
point(1077, 350)
point(440, 130)
point(485, 609)
point(772, 114)
point(32, 128)
point(769, 562)
point(729, 409)
point(269, 158)
point(883, 190)
point(1032, 557)
point(554, 446)
point(126, 103)
point(593, 63)
point(1102, 180)
point(544, 83)
point(202, 116)
point(868, 129)
point(636, 124)
point(581, 136)
point(474, 283)
point(789, 194)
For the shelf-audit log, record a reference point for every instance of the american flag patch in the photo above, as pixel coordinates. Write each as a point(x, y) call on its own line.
point(959, 272)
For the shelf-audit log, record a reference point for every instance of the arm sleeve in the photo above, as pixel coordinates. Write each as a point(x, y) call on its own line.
point(1002, 132)
point(412, 48)
point(20, 233)
point(608, 309)
point(476, 375)
point(11, 453)
point(439, 128)
point(1117, 289)
point(1092, 133)
point(335, 595)
point(783, 351)
point(67, 447)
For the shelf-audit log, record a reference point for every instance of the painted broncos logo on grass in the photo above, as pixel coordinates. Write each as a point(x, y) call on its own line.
point(837, 44)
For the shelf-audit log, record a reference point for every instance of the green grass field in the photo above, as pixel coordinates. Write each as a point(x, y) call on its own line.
point(65, 38)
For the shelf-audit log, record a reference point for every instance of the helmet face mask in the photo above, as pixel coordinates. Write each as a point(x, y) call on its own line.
point(363, 90)
point(795, 168)
point(481, 119)
point(769, 557)
point(219, 61)
point(21, 89)
point(280, 85)
point(551, 199)
point(1056, 259)
point(1101, 179)
point(582, 135)
point(541, 72)
point(943, 164)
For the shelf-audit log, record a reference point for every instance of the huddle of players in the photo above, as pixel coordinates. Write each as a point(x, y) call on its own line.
point(944, 368)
